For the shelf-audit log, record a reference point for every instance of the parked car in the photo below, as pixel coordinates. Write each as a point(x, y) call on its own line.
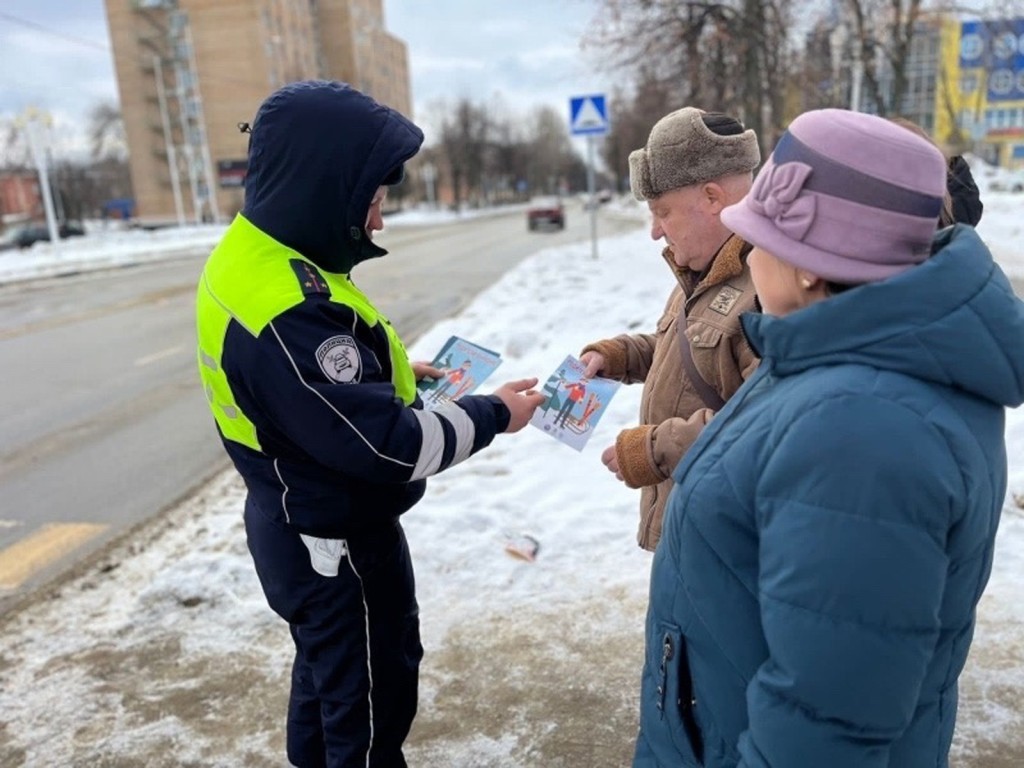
point(545, 211)
point(28, 235)
point(71, 229)
point(1008, 181)
point(601, 197)
point(9, 240)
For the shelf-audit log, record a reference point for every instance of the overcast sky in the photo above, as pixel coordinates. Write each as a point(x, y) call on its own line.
point(55, 55)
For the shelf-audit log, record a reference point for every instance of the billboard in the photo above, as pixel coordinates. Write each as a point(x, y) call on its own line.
point(996, 48)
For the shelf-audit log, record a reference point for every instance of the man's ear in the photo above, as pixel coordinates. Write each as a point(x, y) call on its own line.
point(714, 195)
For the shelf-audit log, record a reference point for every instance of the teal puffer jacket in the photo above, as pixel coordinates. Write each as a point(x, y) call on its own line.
point(829, 535)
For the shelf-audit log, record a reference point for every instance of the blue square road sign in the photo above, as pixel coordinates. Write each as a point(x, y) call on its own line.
point(588, 115)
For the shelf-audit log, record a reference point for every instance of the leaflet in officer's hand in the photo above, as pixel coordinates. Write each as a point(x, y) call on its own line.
point(574, 403)
point(465, 367)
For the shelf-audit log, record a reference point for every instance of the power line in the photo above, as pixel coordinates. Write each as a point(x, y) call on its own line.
point(47, 31)
point(98, 46)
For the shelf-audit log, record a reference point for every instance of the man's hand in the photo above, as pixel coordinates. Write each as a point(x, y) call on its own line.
point(422, 370)
point(610, 460)
point(594, 362)
point(521, 400)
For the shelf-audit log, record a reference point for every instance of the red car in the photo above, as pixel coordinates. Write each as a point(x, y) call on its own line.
point(545, 212)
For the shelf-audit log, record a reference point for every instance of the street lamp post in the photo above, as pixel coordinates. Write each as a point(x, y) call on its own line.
point(33, 122)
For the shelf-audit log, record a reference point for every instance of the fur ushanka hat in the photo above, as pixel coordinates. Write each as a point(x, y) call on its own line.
point(690, 146)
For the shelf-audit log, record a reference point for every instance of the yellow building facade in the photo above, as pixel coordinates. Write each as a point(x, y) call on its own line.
point(980, 98)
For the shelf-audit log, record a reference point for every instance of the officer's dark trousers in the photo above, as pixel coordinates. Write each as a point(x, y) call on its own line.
point(357, 644)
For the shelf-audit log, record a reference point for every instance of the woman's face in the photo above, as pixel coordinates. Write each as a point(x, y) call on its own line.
point(782, 288)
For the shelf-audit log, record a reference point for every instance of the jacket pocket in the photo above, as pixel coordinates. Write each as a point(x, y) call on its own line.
point(676, 702)
point(704, 337)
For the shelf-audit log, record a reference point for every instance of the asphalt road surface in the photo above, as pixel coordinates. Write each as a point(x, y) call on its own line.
point(103, 423)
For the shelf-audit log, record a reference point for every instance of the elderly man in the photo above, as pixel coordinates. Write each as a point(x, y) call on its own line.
point(695, 164)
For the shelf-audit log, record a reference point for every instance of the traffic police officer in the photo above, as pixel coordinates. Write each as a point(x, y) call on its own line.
point(315, 401)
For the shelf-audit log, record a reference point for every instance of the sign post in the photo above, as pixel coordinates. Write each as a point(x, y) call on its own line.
point(588, 116)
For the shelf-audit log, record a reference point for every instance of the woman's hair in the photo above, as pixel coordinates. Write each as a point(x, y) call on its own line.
point(946, 214)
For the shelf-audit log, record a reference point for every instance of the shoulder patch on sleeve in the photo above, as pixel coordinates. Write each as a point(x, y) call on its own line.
point(339, 359)
point(309, 277)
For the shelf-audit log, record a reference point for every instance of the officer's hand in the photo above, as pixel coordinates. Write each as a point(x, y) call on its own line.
point(594, 362)
point(611, 460)
point(521, 400)
point(421, 370)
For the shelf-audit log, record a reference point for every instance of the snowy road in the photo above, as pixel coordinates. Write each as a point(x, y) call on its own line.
point(104, 423)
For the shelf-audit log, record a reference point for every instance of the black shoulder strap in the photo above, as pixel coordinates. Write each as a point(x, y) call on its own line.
point(309, 278)
point(707, 393)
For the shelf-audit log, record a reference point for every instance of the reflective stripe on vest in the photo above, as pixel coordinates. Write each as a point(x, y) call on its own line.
point(248, 278)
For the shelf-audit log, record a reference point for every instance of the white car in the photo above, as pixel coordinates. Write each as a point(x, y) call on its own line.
point(1007, 181)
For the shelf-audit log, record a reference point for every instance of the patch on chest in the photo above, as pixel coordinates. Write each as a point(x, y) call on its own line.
point(339, 359)
point(725, 300)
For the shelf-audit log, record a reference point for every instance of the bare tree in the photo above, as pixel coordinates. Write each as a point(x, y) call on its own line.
point(106, 132)
point(884, 31)
point(651, 100)
point(14, 151)
point(727, 56)
point(464, 133)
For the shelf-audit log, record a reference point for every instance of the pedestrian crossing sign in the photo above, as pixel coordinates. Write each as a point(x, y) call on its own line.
point(588, 115)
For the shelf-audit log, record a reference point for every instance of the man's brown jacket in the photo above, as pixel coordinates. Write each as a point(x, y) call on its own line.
point(672, 411)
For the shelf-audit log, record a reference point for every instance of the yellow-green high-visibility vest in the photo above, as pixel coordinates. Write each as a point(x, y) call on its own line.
point(249, 278)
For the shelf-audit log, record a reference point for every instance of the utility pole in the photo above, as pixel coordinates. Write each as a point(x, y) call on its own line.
point(34, 122)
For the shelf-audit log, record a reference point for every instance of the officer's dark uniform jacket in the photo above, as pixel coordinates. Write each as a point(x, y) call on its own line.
point(309, 384)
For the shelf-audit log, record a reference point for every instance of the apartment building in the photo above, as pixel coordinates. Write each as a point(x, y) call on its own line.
point(189, 71)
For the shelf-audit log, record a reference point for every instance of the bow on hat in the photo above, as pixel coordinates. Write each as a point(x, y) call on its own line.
point(776, 195)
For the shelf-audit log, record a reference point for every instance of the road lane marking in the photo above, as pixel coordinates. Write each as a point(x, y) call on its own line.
point(49, 323)
point(147, 359)
point(25, 557)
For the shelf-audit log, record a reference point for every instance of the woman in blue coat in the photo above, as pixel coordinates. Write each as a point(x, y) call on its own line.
point(829, 536)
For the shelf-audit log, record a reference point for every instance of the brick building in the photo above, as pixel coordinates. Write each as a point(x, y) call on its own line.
point(20, 199)
point(189, 71)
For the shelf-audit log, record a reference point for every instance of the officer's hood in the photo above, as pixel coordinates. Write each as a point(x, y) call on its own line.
point(317, 154)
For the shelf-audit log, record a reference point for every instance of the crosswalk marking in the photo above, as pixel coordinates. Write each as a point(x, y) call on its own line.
point(25, 557)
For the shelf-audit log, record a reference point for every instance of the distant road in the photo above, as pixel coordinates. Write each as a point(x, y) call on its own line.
point(103, 424)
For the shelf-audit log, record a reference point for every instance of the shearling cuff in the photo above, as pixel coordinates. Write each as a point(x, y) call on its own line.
point(614, 358)
point(633, 451)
